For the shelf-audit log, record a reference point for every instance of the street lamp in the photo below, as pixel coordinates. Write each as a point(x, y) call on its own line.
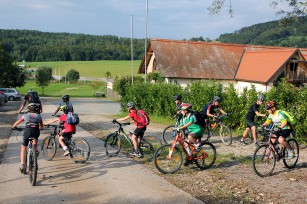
point(146, 39)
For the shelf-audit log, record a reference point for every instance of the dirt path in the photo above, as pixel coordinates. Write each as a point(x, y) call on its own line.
point(232, 179)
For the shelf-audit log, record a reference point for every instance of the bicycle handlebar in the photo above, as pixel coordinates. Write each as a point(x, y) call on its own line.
point(121, 124)
point(51, 125)
point(17, 128)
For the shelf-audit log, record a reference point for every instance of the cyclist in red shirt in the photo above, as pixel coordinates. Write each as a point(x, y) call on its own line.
point(67, 130)
point(140, 127)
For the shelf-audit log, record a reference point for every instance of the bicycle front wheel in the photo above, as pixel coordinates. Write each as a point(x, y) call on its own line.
point(205, 157)
point(166, 162)
point(48, 148)
point(32, 166)
point(112, 144)
point(264, 160)
point(80, 150)
point(169, 134)
point(290, 162)
point(225, 134)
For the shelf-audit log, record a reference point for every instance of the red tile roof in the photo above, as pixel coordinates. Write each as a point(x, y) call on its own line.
point(261, 65)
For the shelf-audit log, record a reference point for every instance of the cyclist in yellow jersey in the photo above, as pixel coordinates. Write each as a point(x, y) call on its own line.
point(283, 129)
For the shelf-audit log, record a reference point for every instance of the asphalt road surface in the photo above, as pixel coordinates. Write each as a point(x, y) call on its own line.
point(100, 180)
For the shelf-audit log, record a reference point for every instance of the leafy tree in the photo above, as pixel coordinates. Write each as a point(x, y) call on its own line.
point(155, 77)
point(11, 75)
point(43, 76)
point(72, 75)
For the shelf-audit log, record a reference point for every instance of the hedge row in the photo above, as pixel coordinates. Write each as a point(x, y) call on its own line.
point(157, 99)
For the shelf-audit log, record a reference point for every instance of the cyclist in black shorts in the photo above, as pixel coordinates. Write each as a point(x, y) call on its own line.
point(33, 122)
point(250, 120)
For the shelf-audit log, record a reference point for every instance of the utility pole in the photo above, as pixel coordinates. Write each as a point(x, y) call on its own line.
point(146, 40)
point(132, 49)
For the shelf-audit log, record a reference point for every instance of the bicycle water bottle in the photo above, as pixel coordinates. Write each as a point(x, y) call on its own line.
point(188, 150)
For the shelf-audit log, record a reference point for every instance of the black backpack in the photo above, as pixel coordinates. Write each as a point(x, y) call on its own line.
point(200, 120)
point(33, 97)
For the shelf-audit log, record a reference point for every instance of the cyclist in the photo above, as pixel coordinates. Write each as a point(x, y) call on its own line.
point(65, 99)
point(140, 127)
point(209, 109)
point(66, 130)
point(279, 120)
point(31, 97)
point(188, 123)
point(33, 122)
point(249, 118)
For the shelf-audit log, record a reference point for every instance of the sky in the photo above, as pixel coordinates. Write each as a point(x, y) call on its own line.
point(167, 19)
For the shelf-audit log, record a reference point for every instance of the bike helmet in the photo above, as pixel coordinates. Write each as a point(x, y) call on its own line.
point(65, 97)
point(33, 107)
point(270, 104)
point(260, 98)
point(64, 108)
point(217, 99)
point(185, 106)
point(177, 97)
point(130, 104)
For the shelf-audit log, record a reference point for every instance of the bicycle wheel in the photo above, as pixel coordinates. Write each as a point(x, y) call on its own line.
point(112, 144)
point(206, 157)
point(165, 164)
point(148, 145)
point(169, 134)
point(48, 148)
point(79, 150)
point(264, 160)
point(32, 166)
point(225, 134)
point(290, 163)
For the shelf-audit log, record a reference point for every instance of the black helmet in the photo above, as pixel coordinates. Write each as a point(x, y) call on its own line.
point(217, 99)
point(177, 97)
point(33, 107)
point(130, 104)
point(65, 97)
point(260, 97)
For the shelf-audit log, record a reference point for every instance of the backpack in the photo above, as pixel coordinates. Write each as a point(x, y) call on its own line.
point(200, 120)
point(204, 111)
point(33, 97)
point(289, 117)
point(144, 118)
point(72, 118)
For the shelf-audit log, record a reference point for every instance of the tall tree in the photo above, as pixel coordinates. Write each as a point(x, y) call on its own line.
point(43, 76)
point(72, 75)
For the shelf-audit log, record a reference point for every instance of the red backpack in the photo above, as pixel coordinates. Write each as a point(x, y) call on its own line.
point(143, 118)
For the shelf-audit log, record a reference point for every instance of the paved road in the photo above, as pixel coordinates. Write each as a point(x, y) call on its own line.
point(100, 180)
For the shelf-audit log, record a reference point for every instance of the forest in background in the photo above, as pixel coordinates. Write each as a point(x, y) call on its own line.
point(37, 46)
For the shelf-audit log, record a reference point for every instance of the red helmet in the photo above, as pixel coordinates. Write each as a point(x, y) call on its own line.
point(185, 106)
point(270, 104)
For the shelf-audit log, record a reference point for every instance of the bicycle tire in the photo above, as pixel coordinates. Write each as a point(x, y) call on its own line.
point(169, 134)
point(146, 149)
point(49, 148)
point(79, 150)
point(112, 144)
point(264, 160)
point(290, 163)
point(32, 167)
point(165, 165)
point(225, 134)
point(205, 158)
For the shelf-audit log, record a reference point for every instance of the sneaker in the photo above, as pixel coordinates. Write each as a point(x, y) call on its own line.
point(256, 145)
point(66, 153)
point(187, 162)
point(22, 168)
point(290, 153)
point(242, 142)
point(137, 154)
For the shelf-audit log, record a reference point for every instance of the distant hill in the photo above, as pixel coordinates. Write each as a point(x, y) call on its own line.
point(270, 33)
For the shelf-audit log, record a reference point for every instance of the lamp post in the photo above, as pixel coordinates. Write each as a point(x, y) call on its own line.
point(132, 49)
point(146, 40)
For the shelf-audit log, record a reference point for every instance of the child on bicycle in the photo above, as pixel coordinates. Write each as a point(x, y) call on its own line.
point(67, 129)
point(65, 99)
point(140, 127)
point(209, 109)
point(188, 123)
point(279, 120)
point(33, 122)
point(250, 117)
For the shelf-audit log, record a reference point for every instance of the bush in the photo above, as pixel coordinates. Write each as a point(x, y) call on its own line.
point(72, 75)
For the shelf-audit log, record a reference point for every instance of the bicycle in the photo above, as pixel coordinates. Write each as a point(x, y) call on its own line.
point(266, 155)
point(169, 133)
point(224, 130)
point(168, 158)
point(79, 149)
point(31, 160)
point(113, 142)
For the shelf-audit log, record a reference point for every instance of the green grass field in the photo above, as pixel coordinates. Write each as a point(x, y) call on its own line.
point(96, 69)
